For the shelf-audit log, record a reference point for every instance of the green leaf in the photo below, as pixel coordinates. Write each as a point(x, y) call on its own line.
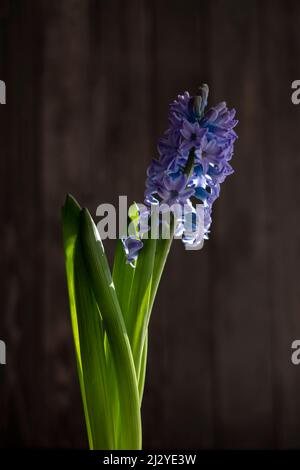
point(104, 291)
point(70, 223)
point(136, 289)
point(110, 327)
point(123, 274)
point(161, 254)
point(142, 375)
point(88, 335)
point(94, 370)
point(138, 316)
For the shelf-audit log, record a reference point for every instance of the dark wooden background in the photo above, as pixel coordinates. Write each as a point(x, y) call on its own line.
point(88, 86)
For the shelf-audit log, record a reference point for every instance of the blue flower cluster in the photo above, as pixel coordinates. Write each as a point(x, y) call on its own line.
point(194, 156)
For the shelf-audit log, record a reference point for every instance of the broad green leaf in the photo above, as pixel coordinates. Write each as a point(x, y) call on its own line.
point(70, 223)
point(110, 327)
point(104, 291)
point(123, 274)
point(94, 370)
point(161, 254)
point(142, 375)
point(138, 312)
point(122, 278)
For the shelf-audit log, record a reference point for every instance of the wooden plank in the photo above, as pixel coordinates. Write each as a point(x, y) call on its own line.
point(241, 311)
point(5, 7)
point(22, 416)
point(279, 46)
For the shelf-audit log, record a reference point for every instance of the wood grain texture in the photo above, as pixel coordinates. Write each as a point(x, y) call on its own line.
point(88, 87)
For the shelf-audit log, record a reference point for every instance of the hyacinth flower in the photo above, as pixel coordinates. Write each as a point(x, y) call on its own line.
point(110, 310)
